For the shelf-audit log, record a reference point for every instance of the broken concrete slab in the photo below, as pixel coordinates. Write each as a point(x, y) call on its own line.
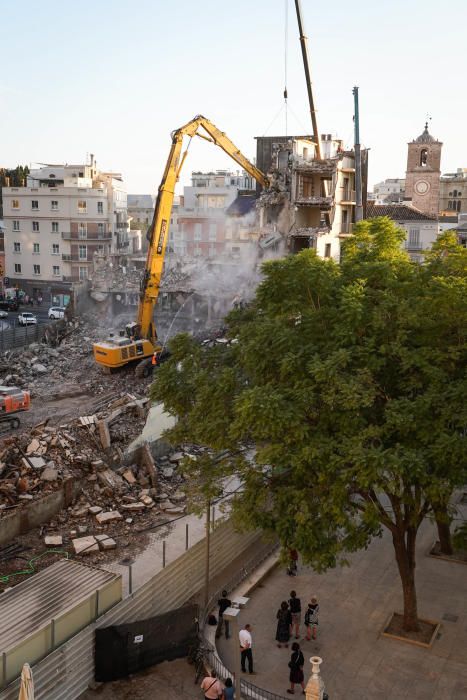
point(85, 545)
point(110, 516)
point(107, 544)
point(104, 434)
point(168, 472)
point(175, 510)
point(95, 510)
point(36, 462)
point(33, 446)
point(157, 422)
point(53, 540)
point(148, 464)
point(133, 507)
point(49, 474)
point(129, 476)
point(176, 457)
point(147, 500)
point(110, 479)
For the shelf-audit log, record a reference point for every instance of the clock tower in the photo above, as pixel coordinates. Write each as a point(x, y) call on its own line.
point(423, 173)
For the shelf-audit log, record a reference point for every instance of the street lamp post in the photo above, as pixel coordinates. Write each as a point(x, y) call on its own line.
point(231, 614)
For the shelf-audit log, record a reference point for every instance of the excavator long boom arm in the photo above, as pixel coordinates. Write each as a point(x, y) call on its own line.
point(159, 229)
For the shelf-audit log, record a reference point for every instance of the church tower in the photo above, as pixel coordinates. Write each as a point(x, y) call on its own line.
point(423, 173)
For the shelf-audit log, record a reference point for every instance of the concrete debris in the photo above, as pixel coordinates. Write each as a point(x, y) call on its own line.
point(103, 518)
point(85, 545)
point(94, 510)
point(49, 474)
point(53, 540)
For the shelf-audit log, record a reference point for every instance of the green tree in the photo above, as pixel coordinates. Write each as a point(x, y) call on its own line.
point(15, 177)
point(350, 382)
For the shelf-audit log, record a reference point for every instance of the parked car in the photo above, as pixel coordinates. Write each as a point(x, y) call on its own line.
point(26, 318)
point(3, 314)
point(9, 304)
point(56, 312)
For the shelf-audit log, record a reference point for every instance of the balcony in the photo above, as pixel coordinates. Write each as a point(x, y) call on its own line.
point(417, 245)
point(66, 278)
point(321, 202)
point(311, 231)
point(348, 196)
point(324, 167)
point(75, 236)
point(74, 257)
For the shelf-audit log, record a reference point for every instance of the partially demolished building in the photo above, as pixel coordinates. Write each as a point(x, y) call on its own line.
point(312, 204)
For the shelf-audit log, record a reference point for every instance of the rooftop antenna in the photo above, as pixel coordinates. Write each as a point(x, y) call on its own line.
point(306, 64)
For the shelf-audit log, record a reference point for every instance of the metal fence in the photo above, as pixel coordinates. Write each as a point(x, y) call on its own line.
point(21, 336)
point(248, 690)
point(67, 671)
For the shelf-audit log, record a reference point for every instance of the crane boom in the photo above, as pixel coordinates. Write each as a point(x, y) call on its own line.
point(141, 340)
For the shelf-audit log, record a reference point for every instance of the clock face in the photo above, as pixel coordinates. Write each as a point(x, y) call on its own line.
point(422, 187)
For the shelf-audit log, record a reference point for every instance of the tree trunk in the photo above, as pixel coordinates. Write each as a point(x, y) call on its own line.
point(404, 547)
point(443, 523)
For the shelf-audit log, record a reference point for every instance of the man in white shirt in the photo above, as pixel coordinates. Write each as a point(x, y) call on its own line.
point(212, 687)
point(246, 643)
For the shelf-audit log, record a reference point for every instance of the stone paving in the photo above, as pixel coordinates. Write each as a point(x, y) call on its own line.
point(355, 602)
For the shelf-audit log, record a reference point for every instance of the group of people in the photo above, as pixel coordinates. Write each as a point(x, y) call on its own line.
point(289, 618)
point(288, 621)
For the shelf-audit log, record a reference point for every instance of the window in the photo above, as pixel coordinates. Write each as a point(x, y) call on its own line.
point(213, 232)
point(83, 273)
point(82, 206)
point(100, 207)
point(54, 205)
point(56, 270)
point(423, 157)
point(36, 250)
point(15, 225)
point(198, 234)
point(55, 249)
point(83, 252)
point(414, 237)
point(15, 203)
point(34, 204)
point(100, 228)
point(17, 247)
point(37, 269)
point(82, 230)
point(54, 226)
point(35, 226)
point(212, 250)
point(327, 250)
point(18, 268)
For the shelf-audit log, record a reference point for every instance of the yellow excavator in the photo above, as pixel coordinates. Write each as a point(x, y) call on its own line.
point(139, 343)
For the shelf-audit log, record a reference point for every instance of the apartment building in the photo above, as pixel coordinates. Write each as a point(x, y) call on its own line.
point(421, 229)
point(57, 221)
point(199, 225)
point(453, 192)
point(312, 201)
point(390, 191)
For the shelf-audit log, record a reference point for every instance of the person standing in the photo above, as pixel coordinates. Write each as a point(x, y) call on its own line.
point(295, 610)
point(293, 562)
point(246, 643)
point(311, 619)
point(284, 623)
point(229, 690)
point(223, 604)
point(296, 669)
point(212, 687)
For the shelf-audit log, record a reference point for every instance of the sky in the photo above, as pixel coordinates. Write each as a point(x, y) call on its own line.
point(115, 77)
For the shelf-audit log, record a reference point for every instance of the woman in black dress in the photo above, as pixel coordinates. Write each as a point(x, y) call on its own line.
point(296, 668)
point(284, 620)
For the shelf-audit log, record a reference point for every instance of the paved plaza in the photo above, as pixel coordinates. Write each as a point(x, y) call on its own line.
point(355, 602)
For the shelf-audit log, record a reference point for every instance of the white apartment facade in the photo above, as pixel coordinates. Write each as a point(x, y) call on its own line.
point(55, 224)
point(421, 229)
point(198, 225)
point(391, 190)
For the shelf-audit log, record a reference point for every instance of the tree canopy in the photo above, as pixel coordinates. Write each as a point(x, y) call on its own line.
point(349, 381)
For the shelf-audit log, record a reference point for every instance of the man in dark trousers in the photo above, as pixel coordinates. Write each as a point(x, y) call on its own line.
point(223, 604)
point(246, 643)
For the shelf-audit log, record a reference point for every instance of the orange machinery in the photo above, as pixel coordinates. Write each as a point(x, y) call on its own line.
point(12, 401)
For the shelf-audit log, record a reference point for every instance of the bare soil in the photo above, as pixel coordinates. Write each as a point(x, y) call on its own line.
point(395, 628)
